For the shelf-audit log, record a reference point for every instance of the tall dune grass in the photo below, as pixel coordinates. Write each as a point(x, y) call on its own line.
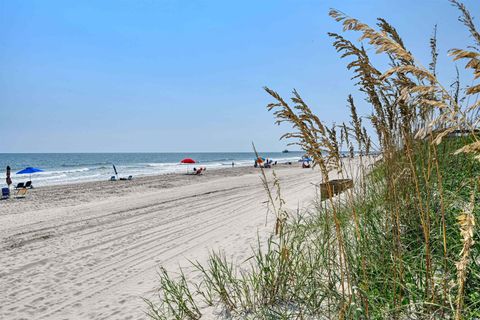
point(401, 244)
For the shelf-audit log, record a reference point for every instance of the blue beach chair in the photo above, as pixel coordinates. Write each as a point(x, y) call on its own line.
point(5, 193)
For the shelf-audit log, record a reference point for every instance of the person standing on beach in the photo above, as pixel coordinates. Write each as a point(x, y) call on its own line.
point(233, 164)
point(8, 179)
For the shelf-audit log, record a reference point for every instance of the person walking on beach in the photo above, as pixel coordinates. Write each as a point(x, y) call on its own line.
point(233, 164)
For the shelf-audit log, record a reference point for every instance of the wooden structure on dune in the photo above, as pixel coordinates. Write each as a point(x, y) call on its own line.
point(336, 186)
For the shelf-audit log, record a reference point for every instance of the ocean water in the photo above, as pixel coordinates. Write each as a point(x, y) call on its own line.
point(64, 168)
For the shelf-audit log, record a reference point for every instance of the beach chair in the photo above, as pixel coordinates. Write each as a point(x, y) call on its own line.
point(113, 178)
point(130, 178)
point(21, 193)
point(20, 185)
point(28, 184)
point(5, 193)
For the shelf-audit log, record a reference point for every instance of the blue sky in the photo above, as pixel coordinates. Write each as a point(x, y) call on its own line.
point(159, 76)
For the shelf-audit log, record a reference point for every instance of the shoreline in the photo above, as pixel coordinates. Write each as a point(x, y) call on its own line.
point(50, 195)
point(62, 169)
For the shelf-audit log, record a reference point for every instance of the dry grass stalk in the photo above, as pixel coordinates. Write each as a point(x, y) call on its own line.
point(466, 220)
point(474, 148)
point(467, 20)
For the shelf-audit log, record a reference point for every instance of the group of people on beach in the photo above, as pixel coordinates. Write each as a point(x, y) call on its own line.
point(267, 163)
point(21, 188)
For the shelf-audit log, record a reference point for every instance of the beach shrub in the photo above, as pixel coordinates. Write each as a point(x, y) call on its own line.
point(400, 244)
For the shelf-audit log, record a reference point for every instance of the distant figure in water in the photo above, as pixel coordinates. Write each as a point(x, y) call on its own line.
point(233, 164)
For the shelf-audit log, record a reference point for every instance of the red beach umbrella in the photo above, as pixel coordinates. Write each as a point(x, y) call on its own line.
point(187, 160)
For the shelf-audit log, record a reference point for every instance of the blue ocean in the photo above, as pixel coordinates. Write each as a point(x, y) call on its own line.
point(64, 168)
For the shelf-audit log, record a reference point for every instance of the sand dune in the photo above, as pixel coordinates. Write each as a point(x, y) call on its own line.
point(92, 250)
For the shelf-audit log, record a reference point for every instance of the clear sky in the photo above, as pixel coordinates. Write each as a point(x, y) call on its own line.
point(168, 75)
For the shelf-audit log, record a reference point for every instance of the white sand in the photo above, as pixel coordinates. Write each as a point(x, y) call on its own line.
point(92, 250)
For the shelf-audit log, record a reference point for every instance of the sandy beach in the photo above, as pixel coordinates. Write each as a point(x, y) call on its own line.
point(92, 250)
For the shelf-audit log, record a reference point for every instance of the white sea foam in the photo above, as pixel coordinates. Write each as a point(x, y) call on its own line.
point(68, 173)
